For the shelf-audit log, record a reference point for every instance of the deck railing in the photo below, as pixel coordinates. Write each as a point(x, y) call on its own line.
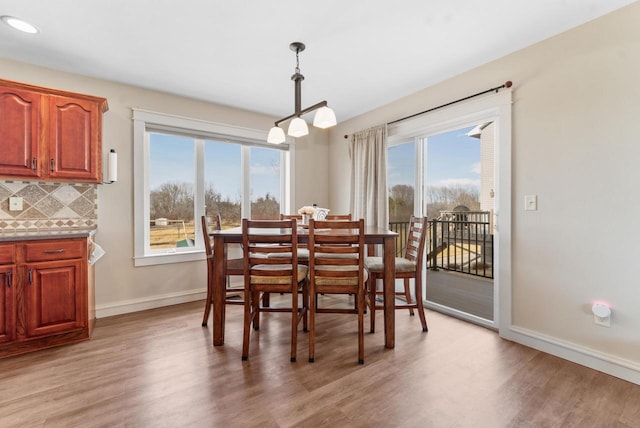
point(461, 245)
point(456, 241)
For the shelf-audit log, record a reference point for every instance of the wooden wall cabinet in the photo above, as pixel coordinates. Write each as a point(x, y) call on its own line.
point(45, 294)
point(48, 134)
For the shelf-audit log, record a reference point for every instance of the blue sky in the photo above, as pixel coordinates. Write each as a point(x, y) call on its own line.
point(172, 159)
point(452, 159)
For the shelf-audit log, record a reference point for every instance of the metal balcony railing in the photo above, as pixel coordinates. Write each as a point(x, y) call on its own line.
point(456, 241)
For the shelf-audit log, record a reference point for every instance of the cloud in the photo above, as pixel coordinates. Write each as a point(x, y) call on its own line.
point(458, 182)
point(475, 168)
point(265, 170)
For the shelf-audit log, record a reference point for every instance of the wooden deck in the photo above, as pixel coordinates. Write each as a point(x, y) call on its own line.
point(466, 293)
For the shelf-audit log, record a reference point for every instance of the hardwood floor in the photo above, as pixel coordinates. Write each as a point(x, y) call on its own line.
point(158, 368)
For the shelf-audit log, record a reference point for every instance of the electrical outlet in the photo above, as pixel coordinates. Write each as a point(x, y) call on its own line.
point(15, 203)
point(603, 321)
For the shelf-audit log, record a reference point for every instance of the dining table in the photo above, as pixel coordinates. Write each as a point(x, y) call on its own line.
point(373, 235)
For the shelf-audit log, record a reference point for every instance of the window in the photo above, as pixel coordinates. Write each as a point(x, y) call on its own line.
point(186, 168)
point(401, 179)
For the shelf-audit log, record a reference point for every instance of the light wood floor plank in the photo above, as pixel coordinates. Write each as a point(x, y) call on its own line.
point(158, 368)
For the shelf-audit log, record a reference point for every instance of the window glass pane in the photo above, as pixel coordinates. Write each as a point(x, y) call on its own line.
point(264, 177)
point(401, 181)
point(453, 172)
point(223, 182)
point(171, 184)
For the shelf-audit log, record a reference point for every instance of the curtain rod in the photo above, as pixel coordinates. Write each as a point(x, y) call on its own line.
point(507, 84)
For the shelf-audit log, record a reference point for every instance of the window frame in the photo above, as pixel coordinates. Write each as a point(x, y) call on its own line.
point(144, 122)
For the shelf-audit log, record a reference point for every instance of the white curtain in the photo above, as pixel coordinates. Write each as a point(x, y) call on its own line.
point(369, 198)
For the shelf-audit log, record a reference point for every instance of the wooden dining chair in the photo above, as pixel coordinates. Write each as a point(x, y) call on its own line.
point(408, 267)
point(263, 274)
point(232, 267)
point(336, 266)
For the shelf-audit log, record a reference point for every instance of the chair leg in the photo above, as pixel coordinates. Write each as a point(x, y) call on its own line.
point(294, 322)
point(312, 322)
point(305, 306)
point(361, 303)
point(207, 304)
point(407, 295)
point(371, 289)
point(246, 325)
point(255, 309)
point(418, 292)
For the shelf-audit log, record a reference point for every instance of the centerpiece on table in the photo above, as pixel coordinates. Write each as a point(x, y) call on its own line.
point(314, 212)
point(306, 212)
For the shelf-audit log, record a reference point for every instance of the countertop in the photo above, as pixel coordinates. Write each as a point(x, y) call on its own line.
point(46, 234)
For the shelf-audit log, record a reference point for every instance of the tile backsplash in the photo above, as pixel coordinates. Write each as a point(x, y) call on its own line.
point(50, 206)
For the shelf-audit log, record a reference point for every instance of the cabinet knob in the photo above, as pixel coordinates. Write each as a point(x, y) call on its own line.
point(53, 165)
point(9, 279)
point(30, 275)
point(34, 164)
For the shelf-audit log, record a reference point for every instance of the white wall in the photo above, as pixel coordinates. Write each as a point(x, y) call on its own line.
point(120, 287)
point(575, 144)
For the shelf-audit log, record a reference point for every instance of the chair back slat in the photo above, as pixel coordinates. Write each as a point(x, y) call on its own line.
point(346, 217)
point(416, 239)
point(291, 216)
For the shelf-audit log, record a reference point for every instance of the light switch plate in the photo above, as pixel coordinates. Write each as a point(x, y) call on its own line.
point(15, 203)
point(530, 202)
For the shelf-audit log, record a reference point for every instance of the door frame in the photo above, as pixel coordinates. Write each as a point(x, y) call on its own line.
point(494, 107)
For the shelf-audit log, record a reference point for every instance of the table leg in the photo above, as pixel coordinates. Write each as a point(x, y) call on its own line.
point(389, 291)
point(219, 256)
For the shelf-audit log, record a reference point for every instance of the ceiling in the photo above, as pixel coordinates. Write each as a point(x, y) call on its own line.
point(360, 54)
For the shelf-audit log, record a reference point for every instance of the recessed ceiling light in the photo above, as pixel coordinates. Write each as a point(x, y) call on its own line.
point(19, 24)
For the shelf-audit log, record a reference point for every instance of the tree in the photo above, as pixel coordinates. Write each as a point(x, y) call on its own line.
point(401, 202)
point(438, 198)
point(173, 201)
point(446, 198)
point(265, 207)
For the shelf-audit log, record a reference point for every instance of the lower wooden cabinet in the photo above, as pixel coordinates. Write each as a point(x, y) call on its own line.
point(45, 297)
point(7, 303)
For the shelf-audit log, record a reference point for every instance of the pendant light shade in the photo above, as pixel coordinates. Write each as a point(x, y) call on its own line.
point(298, 128)
point(276, 135)
point(324, 118)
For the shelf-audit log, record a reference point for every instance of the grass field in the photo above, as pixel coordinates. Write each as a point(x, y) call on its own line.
point(176, 231)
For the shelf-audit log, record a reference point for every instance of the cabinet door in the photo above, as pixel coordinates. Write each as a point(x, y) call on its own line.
point(7, 304)
point(19, 132)
point(56, 299)
point(75, 140)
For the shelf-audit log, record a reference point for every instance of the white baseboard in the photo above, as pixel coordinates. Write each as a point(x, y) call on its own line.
point(151, 302)
point(609, 364)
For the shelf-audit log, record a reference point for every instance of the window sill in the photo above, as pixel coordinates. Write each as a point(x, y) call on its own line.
point(166, 258)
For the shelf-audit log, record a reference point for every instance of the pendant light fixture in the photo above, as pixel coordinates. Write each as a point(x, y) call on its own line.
point(324, 118)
